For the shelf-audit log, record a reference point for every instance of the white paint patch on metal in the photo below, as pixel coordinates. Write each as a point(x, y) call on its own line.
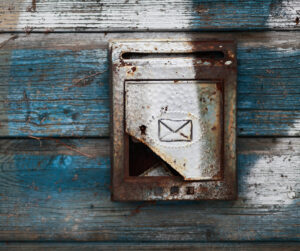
point(181, 122)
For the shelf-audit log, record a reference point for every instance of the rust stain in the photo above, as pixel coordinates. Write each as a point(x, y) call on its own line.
point(34, 187)
point(131, 71)
point(32, 8)
point(75, 177)
point(231, 54)
point(48, 30)
point(200, 9)
point(297, 20)
point(28, 30)
point(34, 5)
point(28, 112)
point(190, 190)
point(82, 82)
point(72, 148)
point(6, 41)
point(137, 210)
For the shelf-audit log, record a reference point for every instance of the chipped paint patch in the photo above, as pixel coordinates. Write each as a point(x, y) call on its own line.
point(288, 10)
point(10, 12)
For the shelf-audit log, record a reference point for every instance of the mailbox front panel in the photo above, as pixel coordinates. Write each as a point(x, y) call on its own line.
point(173, 120)
point(181, 122)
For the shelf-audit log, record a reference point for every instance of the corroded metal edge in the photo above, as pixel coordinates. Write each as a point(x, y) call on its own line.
point(125, 188)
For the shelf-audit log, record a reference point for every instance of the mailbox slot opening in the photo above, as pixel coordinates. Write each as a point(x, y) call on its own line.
point(194, 55)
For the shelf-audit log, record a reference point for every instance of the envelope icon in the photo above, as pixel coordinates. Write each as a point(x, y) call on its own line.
point(174, 130)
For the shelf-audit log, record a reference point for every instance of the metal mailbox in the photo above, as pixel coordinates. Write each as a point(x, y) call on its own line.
point(173, 120)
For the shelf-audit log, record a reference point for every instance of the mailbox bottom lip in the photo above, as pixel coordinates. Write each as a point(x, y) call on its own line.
point(118, 195)
point(120, 199)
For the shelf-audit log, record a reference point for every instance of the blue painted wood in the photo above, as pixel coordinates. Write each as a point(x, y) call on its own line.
point(55, 92)
point(65, 91)
point(51, 190)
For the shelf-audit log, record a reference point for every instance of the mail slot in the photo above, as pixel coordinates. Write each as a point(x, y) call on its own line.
point(173, 120)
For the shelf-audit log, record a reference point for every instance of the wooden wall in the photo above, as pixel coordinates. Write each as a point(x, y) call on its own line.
point(54, 127)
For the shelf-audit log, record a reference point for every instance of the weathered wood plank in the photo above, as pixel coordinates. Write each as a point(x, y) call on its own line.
point(58, 84)
point(94, 246)
point(59, 190)
point(104, 15)
point(269, 122)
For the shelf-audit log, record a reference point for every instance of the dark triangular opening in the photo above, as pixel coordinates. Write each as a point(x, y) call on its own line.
point(142, 158)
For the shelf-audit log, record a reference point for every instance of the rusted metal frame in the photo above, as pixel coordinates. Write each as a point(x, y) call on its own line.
point(153, 188)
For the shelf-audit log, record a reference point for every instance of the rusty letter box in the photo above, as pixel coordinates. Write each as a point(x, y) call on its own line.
point(173, 120)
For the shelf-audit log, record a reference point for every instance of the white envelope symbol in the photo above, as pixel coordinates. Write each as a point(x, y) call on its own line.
point(174, 130)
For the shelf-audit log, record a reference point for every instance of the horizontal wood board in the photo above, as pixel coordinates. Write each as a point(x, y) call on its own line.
point(145, 15)
point(59, 190)
point(96, 246)
point(58, 84)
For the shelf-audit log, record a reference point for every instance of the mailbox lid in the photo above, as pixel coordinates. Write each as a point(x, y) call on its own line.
point(181, 121)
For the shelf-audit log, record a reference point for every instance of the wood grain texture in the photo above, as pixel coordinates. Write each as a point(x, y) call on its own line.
point(96, 246)
point(58, 190)
point(58, 84)
point(144, 15)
